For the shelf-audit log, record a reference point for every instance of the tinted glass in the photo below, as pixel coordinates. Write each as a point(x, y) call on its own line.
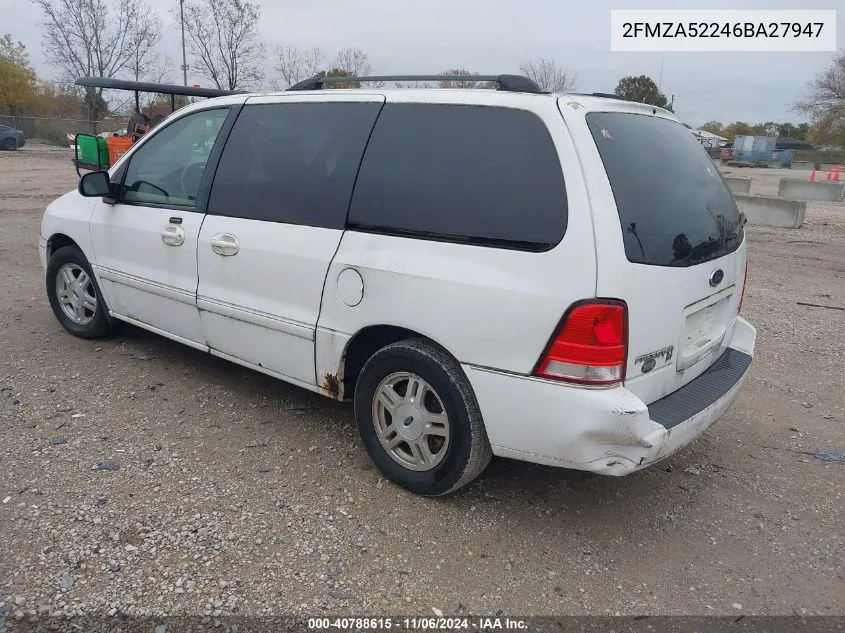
point(293, 162)
point(489, 176)
point(169, 167)
point(674, 206)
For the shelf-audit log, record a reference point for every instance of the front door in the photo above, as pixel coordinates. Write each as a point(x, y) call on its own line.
point(145, 245)
point(276, 214)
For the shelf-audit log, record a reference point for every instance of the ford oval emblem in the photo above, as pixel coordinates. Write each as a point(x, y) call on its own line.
point(716, 277)
point(648, 365)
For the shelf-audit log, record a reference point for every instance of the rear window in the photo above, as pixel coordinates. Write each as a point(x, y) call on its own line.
point(674, 207)
point(479, 175)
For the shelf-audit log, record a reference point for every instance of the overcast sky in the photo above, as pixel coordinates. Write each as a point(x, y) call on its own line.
point(494, 36)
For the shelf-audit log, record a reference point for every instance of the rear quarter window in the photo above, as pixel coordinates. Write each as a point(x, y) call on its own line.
point(480, 175)
point(673, 204)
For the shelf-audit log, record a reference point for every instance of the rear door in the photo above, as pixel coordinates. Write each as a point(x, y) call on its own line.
point(669, 239)
point(276, 213)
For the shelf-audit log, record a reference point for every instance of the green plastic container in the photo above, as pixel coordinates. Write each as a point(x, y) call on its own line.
point(92, 146)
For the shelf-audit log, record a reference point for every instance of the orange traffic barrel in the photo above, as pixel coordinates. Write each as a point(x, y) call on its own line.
point(117, 147)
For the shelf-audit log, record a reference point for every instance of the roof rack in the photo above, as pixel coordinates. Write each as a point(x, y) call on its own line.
point(508, 83)
point(604, 95)
point(146, 86)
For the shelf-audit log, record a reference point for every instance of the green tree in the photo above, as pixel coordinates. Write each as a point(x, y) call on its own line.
point(641, 89)
point(769, 128)
point(13, 51)
point(58, 100)
point(827, 133)
point(714, 127)
point(18, 82)
point(739, 128)
point(339, 72)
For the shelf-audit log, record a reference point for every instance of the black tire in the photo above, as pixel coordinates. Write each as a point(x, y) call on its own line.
point(468, 450)
point(100, 324)
point(10, 144)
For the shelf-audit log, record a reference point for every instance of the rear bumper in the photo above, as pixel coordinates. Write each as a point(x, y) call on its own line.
point(607, 431)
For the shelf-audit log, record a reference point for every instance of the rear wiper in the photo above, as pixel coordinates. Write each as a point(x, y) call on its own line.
point(743, 220)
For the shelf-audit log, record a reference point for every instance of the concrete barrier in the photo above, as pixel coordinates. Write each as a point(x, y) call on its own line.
point(770, 211)
point(796, 189)
point(805, 165)
point(738, 184)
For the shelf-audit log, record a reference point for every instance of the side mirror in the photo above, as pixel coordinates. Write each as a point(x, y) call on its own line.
point(95, 184)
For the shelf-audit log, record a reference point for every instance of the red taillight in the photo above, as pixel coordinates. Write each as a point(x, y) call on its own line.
point(744, 283)
point(590, 345)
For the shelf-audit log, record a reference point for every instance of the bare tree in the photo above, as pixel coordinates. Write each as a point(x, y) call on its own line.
point(295, 64)
point(826, 101)
point(143, 42)
point(412, 84)
point(547, 74)
point(351, 62)
point(354, 61)
point(462, 84)
point(223, 37)
point(156, 69)
point(98, 38)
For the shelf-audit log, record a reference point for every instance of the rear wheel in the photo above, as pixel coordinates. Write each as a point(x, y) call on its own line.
point(419, 420)
point(10, 144)
point(74, 294)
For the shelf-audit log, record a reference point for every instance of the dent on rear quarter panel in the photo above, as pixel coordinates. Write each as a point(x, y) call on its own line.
point(487, 306)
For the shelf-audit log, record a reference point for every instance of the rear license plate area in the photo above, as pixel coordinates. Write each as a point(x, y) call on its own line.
point(704, 330)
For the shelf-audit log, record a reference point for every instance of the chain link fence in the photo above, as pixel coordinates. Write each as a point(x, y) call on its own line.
point(54, 130)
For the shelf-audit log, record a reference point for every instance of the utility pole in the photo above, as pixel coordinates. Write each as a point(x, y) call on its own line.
point(184, 60)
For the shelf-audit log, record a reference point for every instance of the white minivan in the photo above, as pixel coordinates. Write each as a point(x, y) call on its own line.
point(551, 278)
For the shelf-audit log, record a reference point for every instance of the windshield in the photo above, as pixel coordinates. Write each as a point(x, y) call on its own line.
point(674, 207)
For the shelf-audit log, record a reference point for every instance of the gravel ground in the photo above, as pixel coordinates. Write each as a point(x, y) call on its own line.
point(140, 476)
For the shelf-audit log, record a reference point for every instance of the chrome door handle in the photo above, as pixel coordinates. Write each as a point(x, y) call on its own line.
point(225, 244)
point(173, 235)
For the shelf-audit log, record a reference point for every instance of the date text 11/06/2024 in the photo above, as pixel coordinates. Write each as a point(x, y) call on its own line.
point(418, 624)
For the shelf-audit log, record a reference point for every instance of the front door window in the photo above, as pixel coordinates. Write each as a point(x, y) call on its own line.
point(169, 167)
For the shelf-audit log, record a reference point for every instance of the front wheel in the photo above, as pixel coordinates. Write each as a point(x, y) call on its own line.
point(419, 420)
point(74, 294)
point(10, 144)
